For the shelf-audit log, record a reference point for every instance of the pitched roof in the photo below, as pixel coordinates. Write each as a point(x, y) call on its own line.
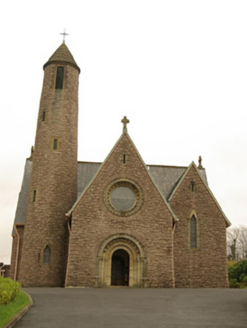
point(62, 55)
point(85, 173)
point(228, 223)
point(20, 213)
point(166, 178)
point(98, 169)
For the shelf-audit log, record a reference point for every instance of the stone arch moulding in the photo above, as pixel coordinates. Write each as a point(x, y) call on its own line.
point(137, 260)
point(193, 214)
point(42, 254)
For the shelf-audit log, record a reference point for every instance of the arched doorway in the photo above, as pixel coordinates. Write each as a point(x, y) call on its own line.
point(120, 268)
point(121, 262)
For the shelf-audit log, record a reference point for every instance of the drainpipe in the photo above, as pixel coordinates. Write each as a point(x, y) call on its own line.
point(68, 224)
point(17, 252)
point(68, 219)
point(173, 271)
point(174, 227)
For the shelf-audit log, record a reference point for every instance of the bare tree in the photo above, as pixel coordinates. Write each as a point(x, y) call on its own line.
point(242, 239)
point(236, 242)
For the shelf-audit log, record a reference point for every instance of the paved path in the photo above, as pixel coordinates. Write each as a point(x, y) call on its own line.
point(132, 308)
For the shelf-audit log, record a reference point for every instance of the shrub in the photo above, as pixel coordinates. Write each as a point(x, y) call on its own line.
point(9, 289)
point(233, 283)
point(237, 270)
point(230, 263)
point(244, 280)
point(242, 277)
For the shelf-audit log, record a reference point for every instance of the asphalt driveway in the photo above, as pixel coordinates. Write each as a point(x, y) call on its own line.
point(132, 308)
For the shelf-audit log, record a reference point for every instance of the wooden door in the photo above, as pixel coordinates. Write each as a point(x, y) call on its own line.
point(120, 268)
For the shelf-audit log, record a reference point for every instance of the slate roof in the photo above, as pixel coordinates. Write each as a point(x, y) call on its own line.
point(21, 208)
point(62, 55)
point(85, 173)
point(165, 177)
point(124, 134)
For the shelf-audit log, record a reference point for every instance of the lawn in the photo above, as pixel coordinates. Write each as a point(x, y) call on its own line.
point(8, 311)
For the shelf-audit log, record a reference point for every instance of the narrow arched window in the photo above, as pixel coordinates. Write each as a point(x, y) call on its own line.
point(55, 144)
point(193, 232)
point(59, 78)
point(34, 196)
point(43, 116)
point(46, 254)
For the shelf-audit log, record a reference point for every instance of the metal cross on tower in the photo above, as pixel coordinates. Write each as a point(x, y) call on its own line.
point(125, 121)
point(64, 34)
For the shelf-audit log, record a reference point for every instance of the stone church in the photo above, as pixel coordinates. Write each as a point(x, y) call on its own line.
point(117, 223)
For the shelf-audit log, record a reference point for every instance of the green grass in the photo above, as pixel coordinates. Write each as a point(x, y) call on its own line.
point(8, 311)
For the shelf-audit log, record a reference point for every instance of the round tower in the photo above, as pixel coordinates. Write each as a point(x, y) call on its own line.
point(53, 186)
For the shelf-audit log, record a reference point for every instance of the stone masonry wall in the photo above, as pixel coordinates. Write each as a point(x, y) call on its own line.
point(92, 222)
point(54, 177)
point(205, 265)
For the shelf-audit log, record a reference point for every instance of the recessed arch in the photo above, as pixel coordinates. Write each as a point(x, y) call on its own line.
point(193, 229)
point(120, 268)
point(136, 257)
point(45, 254)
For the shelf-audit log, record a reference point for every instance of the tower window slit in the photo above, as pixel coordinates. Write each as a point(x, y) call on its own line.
point(59, 78)
point(46, 254)
point(43, 116)
point(54, 144)
point(124, 158)
point(193, 232)
point(34, 196)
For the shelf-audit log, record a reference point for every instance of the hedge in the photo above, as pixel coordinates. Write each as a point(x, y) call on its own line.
point(9, 289)
point(237, 274)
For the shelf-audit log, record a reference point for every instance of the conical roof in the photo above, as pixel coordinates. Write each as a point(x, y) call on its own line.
point(62, 55)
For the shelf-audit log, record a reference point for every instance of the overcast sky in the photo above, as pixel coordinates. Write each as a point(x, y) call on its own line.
point(177, 69)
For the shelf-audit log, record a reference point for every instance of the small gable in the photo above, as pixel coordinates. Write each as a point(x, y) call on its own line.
point(192, 190)
point(200, 235)
point(124, 173)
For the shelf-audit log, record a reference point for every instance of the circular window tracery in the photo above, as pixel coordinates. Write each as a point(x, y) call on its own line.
point(123, 197)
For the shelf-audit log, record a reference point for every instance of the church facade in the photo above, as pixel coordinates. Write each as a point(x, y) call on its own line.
point(117, 223)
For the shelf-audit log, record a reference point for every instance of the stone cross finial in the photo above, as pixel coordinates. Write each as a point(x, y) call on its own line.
point(200, 163)
point(125, 121)
point(64, 34)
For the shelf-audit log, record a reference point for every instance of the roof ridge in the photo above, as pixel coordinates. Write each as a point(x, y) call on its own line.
point(173, 166)
point(88, 162)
